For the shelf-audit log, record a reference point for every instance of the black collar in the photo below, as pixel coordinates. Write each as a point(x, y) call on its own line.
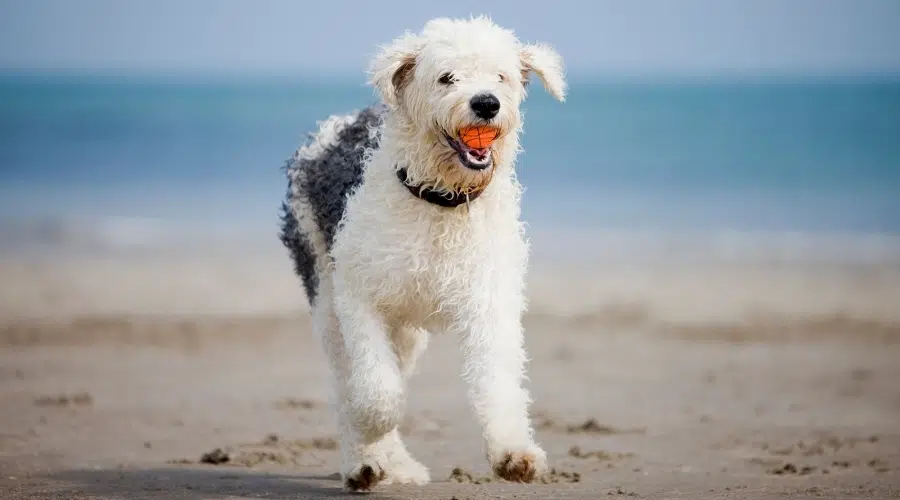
point(436, 197)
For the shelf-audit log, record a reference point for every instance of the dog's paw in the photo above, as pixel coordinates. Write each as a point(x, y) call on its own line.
point(363, 477)
point(520, 466)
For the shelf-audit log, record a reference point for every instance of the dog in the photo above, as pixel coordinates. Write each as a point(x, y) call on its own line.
point(398, 229)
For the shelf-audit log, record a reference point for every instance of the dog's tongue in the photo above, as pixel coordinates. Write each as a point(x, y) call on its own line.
point(479, 153)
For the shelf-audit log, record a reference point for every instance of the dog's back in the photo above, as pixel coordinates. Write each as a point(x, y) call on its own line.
point(320, 176)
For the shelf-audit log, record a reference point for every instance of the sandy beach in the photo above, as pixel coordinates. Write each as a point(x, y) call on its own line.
point(194, 376)
point(713, 213)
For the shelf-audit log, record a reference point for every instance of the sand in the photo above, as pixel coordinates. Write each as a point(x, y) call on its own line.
point(188, 376)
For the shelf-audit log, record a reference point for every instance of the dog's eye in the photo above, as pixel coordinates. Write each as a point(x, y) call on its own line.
point(446, 79)
point(502, 77)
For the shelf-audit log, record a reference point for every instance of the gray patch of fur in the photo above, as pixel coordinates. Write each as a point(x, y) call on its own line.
point(330, 177)
point(326, 181)
point(301, 251)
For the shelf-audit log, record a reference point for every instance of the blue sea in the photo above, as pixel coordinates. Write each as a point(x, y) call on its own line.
point(780, 157)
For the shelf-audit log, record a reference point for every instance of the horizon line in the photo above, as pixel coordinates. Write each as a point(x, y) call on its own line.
point(574, 76)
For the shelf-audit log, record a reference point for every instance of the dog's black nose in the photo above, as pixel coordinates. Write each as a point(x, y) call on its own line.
point(485, 106)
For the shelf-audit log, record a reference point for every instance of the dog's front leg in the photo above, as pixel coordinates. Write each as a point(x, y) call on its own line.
point(375, 384)
point(494, 362)
point(373, 402)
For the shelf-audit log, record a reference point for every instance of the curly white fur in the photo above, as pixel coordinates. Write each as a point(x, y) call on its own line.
point(400, 267)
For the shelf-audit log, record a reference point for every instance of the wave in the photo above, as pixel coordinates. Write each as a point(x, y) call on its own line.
point(87, 233)
point(549, 245)
point(580, 246)
point(114, 234)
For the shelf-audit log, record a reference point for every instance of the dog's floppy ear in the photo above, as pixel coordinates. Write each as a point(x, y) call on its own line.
point(391, 70)
point(548, 65)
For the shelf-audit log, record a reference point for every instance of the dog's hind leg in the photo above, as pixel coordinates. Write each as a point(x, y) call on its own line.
point(409, 343)
point(325, 326)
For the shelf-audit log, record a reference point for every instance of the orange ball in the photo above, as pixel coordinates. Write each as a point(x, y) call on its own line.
point(480, 137)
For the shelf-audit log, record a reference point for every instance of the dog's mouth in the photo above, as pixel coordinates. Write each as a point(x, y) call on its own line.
point(474, 158)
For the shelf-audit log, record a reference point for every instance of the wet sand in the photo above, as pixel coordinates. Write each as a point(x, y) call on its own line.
point(198, 378)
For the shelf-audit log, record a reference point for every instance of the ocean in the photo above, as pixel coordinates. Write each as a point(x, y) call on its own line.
point(128, 159)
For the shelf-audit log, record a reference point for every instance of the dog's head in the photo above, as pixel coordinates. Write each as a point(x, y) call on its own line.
point(453, 75)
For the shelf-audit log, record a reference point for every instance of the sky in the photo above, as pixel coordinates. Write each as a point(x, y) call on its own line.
point(656, 37)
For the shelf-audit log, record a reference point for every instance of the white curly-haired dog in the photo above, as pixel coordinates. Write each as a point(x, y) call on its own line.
point(398, 228)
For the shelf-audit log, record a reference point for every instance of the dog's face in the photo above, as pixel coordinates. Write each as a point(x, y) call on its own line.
point(458, 74)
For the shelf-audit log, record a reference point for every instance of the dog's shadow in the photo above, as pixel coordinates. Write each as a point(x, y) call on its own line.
point(196, 484)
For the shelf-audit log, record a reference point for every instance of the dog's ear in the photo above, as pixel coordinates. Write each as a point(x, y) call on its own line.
point(548, 65)
point(391, 70)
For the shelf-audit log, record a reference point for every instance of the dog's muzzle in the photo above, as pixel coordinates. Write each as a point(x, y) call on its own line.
point(475, 159)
